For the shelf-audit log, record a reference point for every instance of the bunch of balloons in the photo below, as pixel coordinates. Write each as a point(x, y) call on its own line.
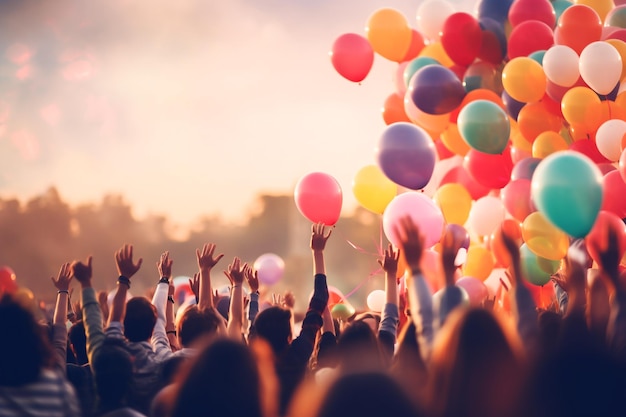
point(524, 102)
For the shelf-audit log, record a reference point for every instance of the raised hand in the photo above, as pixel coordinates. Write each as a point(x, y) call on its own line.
point(450, 245)
point(289, 300)
point(252, 277)
point(609, 256)
point(411, 242)
point(513, 250)
point(124, 261)
point(319, 236)
point(194, 284)
point(63, 279)
point(389, 262)
point(165, 265)
point(206, 260)
point(236, 272)
point(82, 272)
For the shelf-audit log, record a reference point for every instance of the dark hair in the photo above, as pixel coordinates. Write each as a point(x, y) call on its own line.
point(365, 395)
point(218, 377)
point(274, 325)
point(113, 375)
point(78, 340)
point(358, 345)
point(25, 350)
point(139, 319)
point(195, 324)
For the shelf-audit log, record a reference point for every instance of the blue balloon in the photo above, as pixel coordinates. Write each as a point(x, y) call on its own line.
point(495, 27)
point(538, 56)
point(497, 10)
point(435, 89)
point(406, 154)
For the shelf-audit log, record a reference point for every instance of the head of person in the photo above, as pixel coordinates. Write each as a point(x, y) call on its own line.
point(475, 366)
point(357, 347)
point(78, 342)
point(274, 326)
point(25, 350)
point(371, 394)
point(196, 324)
point(224, 379)
point(139, 320)
point(112, 368)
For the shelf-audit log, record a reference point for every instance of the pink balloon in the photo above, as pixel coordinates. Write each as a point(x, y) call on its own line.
point(475, 288)
point(622, 165)
point(432, 269)
point(421, 210)
point(398, 79)
point(352, 56)
point(614, 192)
point(319, 198)
point(516, 199)
point(270, 268)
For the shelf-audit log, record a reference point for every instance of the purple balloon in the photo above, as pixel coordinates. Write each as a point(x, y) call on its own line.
point(406, 155)
point(459, 232)
point(435, 89)
point(513, 107)
point(525, 169)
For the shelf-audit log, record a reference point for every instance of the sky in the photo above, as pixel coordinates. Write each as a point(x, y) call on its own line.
point(187, 108)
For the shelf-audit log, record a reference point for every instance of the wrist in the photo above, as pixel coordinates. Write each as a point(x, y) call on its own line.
point(164, 280)
point(170, 299)
point(123, 282)
point(63, 291)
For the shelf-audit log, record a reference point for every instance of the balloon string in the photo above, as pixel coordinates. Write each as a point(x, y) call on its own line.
point(355, 289)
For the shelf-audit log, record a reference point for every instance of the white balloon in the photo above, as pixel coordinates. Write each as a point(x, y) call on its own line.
point(609, 138)
point(560, 63)
point(376, 300)
point(431, 15)
point(600, 66)
point(486, 215)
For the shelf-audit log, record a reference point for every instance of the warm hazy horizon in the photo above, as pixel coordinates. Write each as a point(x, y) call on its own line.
point(186, 108)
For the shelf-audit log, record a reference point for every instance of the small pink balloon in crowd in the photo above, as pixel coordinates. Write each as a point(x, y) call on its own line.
point(270, 268)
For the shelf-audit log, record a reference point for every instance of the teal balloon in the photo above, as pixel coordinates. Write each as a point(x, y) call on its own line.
point(559, 7)
point(535, 269)
point(415, 65)
point(567, 189)
point(538, 56)
point(484, 126)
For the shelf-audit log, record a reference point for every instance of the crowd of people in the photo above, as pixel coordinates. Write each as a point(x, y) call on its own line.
point(418, 357)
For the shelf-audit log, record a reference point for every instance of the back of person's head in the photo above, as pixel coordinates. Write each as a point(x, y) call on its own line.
point(78, 342)
point(196, 324)
point(408, 367)
point(274, 325)
point(549, 331)
point(139, 319)
point(366, 395)
point(112, 368)
point(223, 379)
point(357, 347)
point(475, 369)
point(25, 349)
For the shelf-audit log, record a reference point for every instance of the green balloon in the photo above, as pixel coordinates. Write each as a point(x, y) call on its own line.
point(559, 7)
point(342, 311)
point(535, 269)
point(415, 65)
point(538, 56)
point(484, 126)
point(567, 189)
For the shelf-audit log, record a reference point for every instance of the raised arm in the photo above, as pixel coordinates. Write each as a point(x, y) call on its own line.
point(390, 313)
point(126, 269)
point(420, 293)
point(452, 295)
point(252, 277)
point(236, 275)
point(319, 238)
point(159, 340)
point(206, 262)
point(59, 335)
point(92, 314)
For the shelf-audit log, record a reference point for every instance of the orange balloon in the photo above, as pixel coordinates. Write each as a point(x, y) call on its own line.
point(534, 118)
point(519, 142)
point(513, 229)
point(451, 138)
point(547, 143)
point(389, 34)
point(393, 110)
point(579, 108)
point(602, 7)
point(435, 50)
point(621, 48)
point(524, 80)
point(479, 263)
point(416, 46)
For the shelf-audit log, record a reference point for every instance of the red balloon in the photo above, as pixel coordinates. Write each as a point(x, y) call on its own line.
point(598, 236)
point(614, 194)
point(493, 43)
point(493, 171)
point(416, 46)
point(588, 147)
point(461, 38)
point(528, 37)
point(523, 10)
point(516, 199)
point(352, 56)
point(619, 34)
point(622, 165)
point(459, 175)
point(442, 151)
point(579, 25)
point(8, 285)
point(319, 198)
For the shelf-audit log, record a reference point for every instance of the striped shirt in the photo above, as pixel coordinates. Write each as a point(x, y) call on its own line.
point(50, 396)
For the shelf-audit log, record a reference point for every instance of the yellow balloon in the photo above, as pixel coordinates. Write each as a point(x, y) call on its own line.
point(451, 138)
point(602, 7)
point(454, 201)
point(389, 34)
point(579, 107)
point(523, 78)
point(543, 238)
point(479, 263)
point(520, 142)
point(547, 143)
point(372, 189)
point(621, 48)
point(435, 50)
